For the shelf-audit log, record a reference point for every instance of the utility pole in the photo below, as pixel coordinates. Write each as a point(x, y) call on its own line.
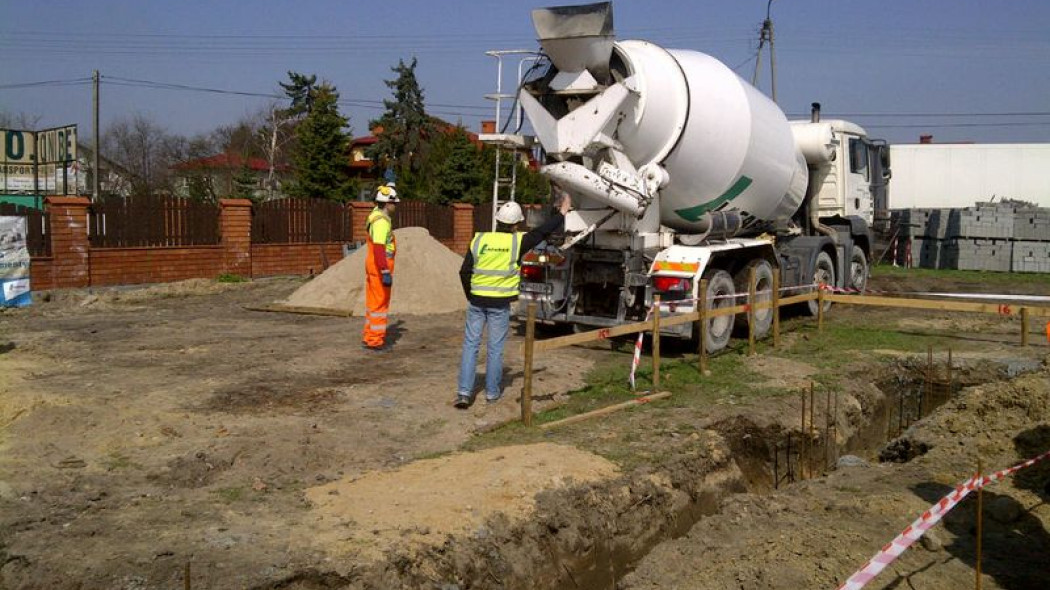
point(96, 171)
point(766, 36)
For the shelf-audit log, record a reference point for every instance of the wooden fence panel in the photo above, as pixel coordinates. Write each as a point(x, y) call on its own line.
point(438, 219)
point(300, 221)
point(147, 221)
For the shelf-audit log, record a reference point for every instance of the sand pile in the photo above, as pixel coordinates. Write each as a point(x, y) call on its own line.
point(426, 280)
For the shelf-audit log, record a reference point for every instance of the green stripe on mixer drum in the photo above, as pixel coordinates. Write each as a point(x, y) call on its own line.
point(695, 213)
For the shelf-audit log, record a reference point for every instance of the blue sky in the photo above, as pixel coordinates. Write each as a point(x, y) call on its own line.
point(914, 57)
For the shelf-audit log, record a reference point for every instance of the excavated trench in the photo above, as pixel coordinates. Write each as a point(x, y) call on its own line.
point(590, 537)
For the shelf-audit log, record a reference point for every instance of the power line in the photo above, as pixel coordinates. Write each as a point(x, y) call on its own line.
point(957, 125)
point(72, 82)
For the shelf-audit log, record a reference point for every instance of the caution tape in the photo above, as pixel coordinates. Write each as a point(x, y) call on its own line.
point(925, 522)
point(638, 350)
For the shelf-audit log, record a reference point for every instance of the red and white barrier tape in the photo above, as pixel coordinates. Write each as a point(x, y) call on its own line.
point(925, 522)
point(638, 350)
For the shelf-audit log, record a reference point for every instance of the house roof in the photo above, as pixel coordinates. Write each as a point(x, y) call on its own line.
point(227, 161)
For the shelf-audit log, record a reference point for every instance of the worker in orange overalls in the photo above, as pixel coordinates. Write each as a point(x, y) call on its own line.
point(379, 268)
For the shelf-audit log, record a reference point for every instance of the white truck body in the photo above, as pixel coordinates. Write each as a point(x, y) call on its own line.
point(958, 175)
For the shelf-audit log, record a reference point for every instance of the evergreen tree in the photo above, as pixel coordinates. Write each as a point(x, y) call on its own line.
point(244, 183)
point(457, 173)
point(322, 160)
point(300, 88)
point(406, 128)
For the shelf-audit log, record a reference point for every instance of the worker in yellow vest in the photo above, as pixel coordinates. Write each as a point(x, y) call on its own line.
point(490, 277)
point(379, 268)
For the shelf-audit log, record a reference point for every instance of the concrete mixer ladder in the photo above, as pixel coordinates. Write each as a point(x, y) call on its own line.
point(508, 146)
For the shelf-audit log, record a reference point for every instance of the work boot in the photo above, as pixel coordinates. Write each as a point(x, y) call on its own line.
point(463, 401)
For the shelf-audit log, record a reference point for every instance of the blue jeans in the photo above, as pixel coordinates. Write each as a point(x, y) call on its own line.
point(498, 320)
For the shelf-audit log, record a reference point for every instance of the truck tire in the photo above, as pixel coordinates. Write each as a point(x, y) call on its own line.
point(763, 290)
point(823, 274)
point(858, 269)
point(719, 330)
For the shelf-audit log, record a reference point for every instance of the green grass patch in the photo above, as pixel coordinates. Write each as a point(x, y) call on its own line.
point(231, 278)
point(231, 494)
point(976, 277)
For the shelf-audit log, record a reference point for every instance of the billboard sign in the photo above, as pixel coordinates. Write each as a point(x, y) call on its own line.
point(39, 162)
point(14, 262)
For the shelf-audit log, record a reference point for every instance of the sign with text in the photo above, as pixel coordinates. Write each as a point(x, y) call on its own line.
point(39, 162)
point(14, 262)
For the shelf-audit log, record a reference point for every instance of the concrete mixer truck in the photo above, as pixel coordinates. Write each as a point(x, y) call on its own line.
point(679, 171)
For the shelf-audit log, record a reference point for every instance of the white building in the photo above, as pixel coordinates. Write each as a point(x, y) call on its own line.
point(959, 175)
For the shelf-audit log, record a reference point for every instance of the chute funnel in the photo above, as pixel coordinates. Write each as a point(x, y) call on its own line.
point(577, 38)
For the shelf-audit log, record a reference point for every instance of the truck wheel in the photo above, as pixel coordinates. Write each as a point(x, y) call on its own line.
point(823, 274)
point(858, 269)
point(719, 294)
point(763, 290)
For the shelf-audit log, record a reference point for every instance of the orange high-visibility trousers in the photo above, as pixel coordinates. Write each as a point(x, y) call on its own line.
point(377, 304)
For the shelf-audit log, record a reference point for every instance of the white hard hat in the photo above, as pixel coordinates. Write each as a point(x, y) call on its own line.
point(386, 194)
point(510, 213)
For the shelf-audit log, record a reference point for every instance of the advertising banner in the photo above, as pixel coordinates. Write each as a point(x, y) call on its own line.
point(39, 161)
point(14, 262)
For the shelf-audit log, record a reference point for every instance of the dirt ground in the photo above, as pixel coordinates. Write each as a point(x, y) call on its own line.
point(142, 430)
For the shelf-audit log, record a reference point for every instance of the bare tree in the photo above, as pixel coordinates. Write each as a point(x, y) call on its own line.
point(145, 150)
point(20, 120)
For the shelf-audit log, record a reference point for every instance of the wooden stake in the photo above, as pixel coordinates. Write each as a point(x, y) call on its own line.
point(776, 466)
point(702, 323)
point(752, 288)
point(803, 446)
point(186, 576)
point(1024, 326)
point(812, 426)
point(776, 307)
point(835, 423)
point(980, 514)
point(656, 341)
point(530, 341)
point(606, 410)
point(820, 309)
point(827, 429)
point(924, 397)
point(950, 375)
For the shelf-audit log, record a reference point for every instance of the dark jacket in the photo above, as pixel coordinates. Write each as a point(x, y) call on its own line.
point(529, 241)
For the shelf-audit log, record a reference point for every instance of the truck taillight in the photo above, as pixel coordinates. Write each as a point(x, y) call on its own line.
point(670, 284)
point(532, 272)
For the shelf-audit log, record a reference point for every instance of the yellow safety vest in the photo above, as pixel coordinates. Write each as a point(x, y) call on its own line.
point(496, 265)
point(380, 230)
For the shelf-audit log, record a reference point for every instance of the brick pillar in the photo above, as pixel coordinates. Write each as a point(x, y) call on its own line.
point(70, 251)
point(235, 223)
point(358, 219)
point(462, 226)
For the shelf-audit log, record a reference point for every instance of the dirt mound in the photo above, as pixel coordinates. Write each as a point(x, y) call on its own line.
point(426, 280)
point(427, 500)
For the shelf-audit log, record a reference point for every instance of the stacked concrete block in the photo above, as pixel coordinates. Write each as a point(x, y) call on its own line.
point(939, 223)
point(929, 253)
point(982, 222)
point(1032, 224)
point(977, 254)
point(910, 223)
point(1030, 256)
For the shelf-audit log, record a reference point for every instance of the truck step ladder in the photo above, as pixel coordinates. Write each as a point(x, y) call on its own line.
point(509, 146)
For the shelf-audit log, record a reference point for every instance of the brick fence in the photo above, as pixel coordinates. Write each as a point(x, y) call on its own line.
point(73, 262)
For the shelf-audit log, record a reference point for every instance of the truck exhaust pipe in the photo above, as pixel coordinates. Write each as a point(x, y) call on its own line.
point(814, 113)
